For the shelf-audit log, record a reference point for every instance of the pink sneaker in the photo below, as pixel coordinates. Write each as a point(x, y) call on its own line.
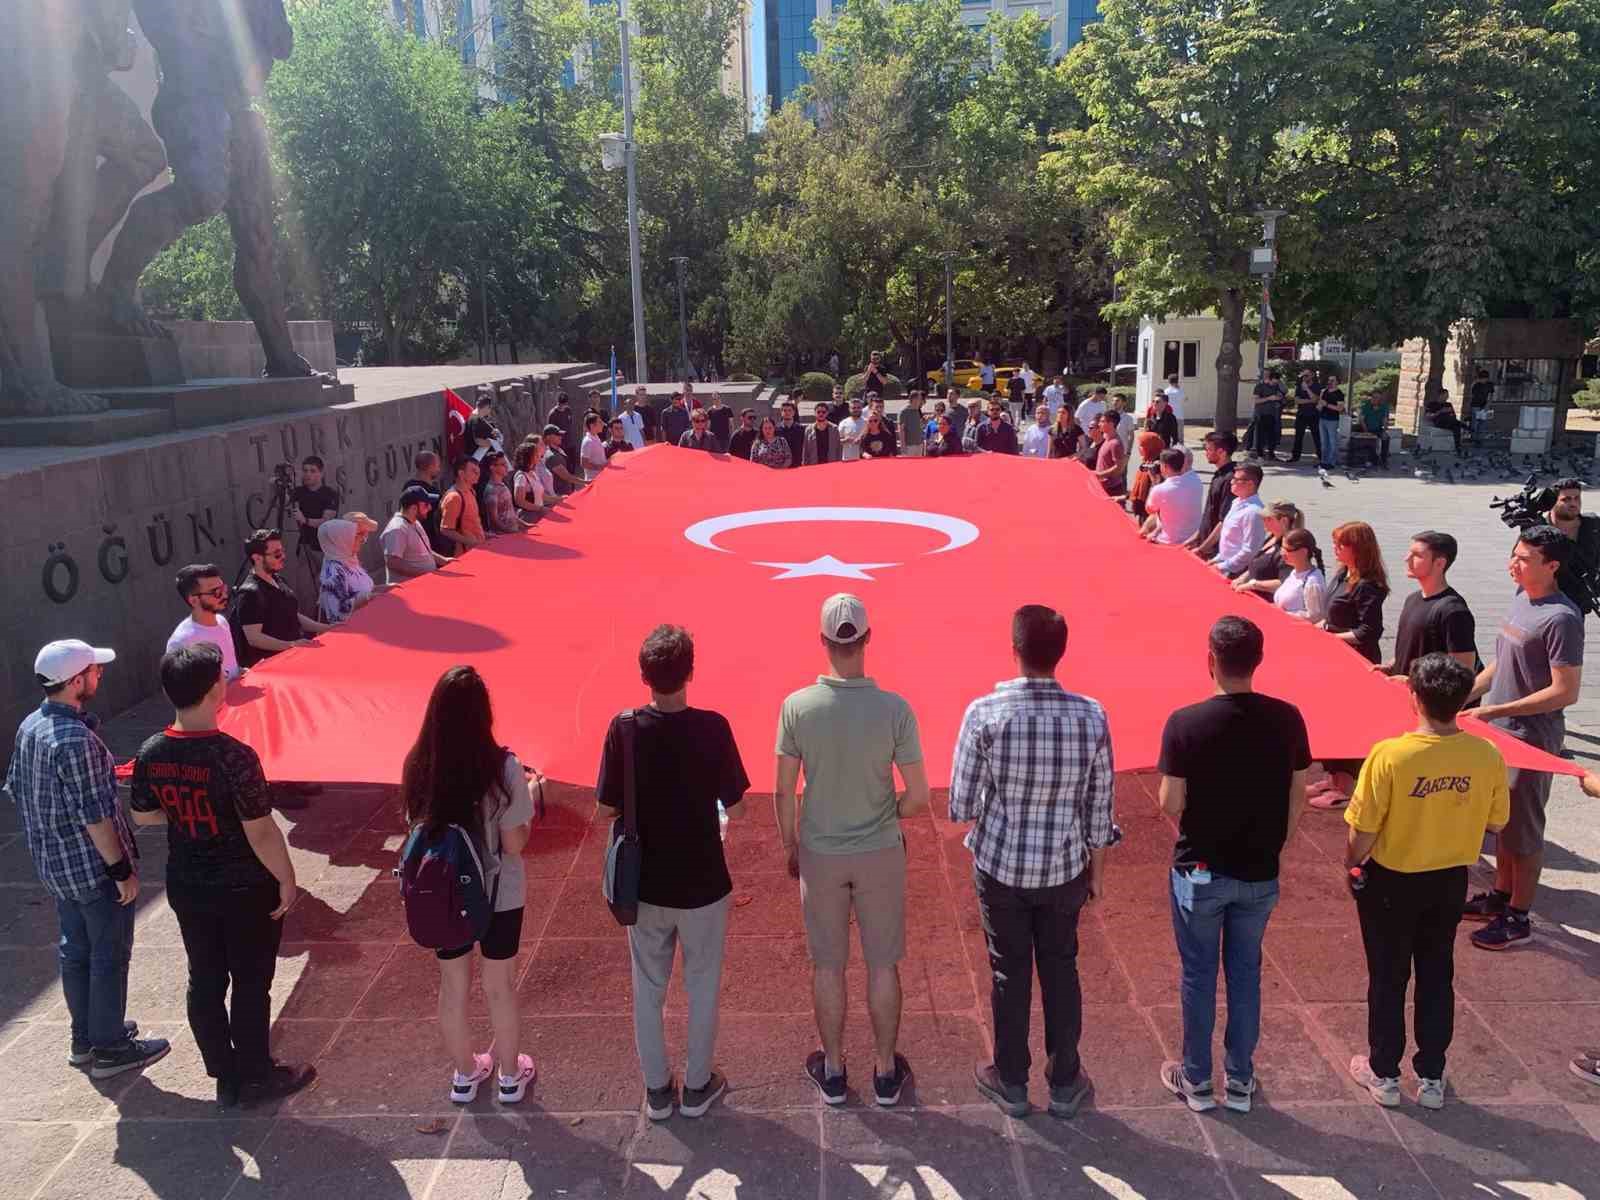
point(464, 1088)
point(1330, 800)
point(514, 1088)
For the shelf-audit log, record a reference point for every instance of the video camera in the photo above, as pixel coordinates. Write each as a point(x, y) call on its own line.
point(1531, 506)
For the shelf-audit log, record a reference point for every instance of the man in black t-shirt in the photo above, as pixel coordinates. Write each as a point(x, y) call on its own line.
point(426, 469)
point(265, 612)
point(721, 418)
point(1435, 618)
point(229, 877)
point(685, 763)
point(1266, 419)
point(1233, 775)
point(1568, 516)
point(1219, 447)
point(312, 503)
point(744, 437)
point(483, 435)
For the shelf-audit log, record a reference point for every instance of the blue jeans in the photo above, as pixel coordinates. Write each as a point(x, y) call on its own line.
point(1330, 441)
point(1233, 913)
point(96, 944)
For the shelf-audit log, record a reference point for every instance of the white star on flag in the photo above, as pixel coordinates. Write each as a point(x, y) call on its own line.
point(826, 565)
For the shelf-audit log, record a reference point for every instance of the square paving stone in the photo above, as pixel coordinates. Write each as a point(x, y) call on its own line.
point(942, 1049)
point(580, 910)
point(1549, 967)
point(1119, 1051)
point(932, 904)
point(1312, 895)
point(935, 976)
point(30, 984)
point(727, 1156)
point(773, 908)
point(1288, 1065)
point(31, 1150)
point(1322, 964)
point(551, 852)
point(178, 1089)
point(40, 1086)
point(158, 985)
point(1468, 1149)
point(28, 918)
point(1314, 1150)
point(764, 1060)
point(770, 975)
point(137, 1159)
point(944, 1152)
point(1545, 1037)
point(586, 1064)
point(347, 913)
point(324, 980)
point(370, 1156)
point(579, 975)
point(1149, 1153)
point(752, 847)
point(378, 1068)
point(515, 1155)
point(408, 986)
point(1478, 1066)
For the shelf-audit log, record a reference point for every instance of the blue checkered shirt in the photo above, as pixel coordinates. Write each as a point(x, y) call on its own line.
point(62, 778)
point(1033, 770)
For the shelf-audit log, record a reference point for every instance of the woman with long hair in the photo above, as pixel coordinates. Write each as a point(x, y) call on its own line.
point(1065, 434)
point(1358, 589)
point(1304, 593)
point(945, 442)
point(769, 449)
point(457, 774)
point(527, 491)
point(1267, 570)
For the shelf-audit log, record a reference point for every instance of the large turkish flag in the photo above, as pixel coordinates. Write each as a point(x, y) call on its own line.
point(941, 551)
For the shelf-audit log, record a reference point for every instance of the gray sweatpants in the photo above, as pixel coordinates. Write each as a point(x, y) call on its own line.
point(702, 932)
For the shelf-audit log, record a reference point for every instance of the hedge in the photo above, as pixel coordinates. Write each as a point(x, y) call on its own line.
point(815, 386)
point(892, 387)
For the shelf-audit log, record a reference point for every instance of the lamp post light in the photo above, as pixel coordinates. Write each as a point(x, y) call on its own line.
point(681, 262)
point(618, 151)
point(1264, 262)
point(949, 327)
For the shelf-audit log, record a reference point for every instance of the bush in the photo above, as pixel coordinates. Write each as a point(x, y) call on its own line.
point(1290, 368)
point(743, 377)
point(1588, 396)
point(892, 387)
point(815, 386)
point(1380, 384)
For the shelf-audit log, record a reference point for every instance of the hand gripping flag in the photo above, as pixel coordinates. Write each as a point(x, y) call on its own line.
point(457, 412)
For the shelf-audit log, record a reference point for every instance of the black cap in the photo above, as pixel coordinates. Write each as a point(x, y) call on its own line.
point(549, 429)
point(417, 494)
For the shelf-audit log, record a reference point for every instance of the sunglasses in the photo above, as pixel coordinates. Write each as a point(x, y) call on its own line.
point(221, 590)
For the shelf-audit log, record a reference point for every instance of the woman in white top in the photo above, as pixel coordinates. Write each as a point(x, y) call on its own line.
point(1305, 593)
point(592, 454)
point(527, 489)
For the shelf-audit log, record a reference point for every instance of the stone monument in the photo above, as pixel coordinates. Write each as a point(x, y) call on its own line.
point(74, 151)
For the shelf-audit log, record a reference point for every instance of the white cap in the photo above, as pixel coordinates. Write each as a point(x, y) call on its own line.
point(839, 610)
point(60, 661)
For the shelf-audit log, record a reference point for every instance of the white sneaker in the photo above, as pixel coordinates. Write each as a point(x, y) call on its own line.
point(1198, 1096)
point(1236, 1094)
point(1430, 1092)
point(1385, 1091)
point(514, 1087)
point(464, 1088)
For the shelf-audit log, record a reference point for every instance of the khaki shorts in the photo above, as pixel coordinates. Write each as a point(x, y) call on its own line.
point(1524, 831)
point(874, 884)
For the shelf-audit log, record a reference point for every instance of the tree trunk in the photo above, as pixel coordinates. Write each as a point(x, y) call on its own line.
point(1230, 307)
point(1436, 350)
point(391, 337)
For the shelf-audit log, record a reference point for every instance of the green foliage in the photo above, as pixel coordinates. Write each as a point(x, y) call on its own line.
point(1588, 396)
point(1380, 383)
point(815, 385)
point(893, 388)
point(192, 280)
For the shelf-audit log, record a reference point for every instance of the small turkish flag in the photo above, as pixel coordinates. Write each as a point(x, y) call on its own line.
point(457, 412)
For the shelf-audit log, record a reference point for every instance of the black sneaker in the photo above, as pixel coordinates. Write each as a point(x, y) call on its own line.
point(695, 1101)
point(1009, 1098)
point(281, 1079)
point(227, 1093)
point(832, 1087)
point(131, 1055)
point(82, 1053)
point(886, 1089)
point(1485, 906)
point(1065, 1098)
point(658, 1102)
point(1503, 933)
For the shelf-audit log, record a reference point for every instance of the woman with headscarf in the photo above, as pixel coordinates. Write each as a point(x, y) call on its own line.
point(345, 584)
point(1150, 444)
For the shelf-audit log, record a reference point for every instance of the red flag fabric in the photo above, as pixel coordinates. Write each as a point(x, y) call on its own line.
point(457, 412)
point(940, 550)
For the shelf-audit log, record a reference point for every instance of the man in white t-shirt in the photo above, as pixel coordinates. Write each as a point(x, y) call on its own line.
point(632, 419)
point(1054, 394)
point(406, 552)
point(1036, 441)
point(202, 589)
point(592, 452)
point(851, 431)
point(1174, 504)
point(1174, 395)
point(1029, 380)
point(1089, 411)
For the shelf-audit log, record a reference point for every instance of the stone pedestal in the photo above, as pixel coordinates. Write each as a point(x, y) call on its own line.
point(94, 361)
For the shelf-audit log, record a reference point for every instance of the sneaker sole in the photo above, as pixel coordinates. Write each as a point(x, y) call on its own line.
point(464, 1095)
point(1385, 1099)
point(1511, 945)
point(887, 1101)
point(1238, 1102)
point(699, 1110)
point(78, 1058)
point(1582, 1074)
point(1431, 1103)
point(657, 1114)
point(1067, 1109)
point(516, 1094)
point(1196, 1103)
point(124, 1068)
point(1011, 1108)
point(826, 1099)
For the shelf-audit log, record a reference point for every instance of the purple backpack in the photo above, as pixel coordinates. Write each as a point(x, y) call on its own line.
point(447, 899)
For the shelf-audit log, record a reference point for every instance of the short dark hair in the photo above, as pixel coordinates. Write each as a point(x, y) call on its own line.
point(462, 463)
point(314, 460)
point(1172, 457)
point(666, 659)
point(260, 539)
point(1039, 636)
point(1440, 684)
point(1440, 545)
point(748, 412)
point(1570, 484)
point(1250, 471)
point(485, 400)
point(1237, 645)
point(189, 578)
point(424, 460)
point(1223, 439)
point(189, 672)
point(593, 418)
point(1549, 541)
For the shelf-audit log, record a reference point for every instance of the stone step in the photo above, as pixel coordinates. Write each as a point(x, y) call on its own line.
point(203, 402)
point(90, 429)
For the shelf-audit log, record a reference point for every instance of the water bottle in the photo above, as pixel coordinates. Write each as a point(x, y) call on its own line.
point(722, 821)
point(1357, 879)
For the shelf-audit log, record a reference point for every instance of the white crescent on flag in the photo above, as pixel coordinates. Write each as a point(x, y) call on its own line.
point(958, 533)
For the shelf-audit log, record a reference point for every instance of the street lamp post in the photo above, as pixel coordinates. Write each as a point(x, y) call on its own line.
point(949, 328)
point(621, 151)
point(681, 262)
point(1263, 262)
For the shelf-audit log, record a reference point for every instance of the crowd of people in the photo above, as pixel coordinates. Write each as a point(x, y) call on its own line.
point(1032, 772)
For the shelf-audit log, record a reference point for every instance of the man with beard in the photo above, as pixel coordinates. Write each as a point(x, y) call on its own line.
point(201, 587)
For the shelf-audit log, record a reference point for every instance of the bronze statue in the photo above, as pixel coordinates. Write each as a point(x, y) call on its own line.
point(215, 56)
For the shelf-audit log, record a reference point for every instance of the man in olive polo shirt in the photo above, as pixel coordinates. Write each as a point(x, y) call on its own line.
point(844, 842)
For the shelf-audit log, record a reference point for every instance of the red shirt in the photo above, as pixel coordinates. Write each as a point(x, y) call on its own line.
point(1111, 454)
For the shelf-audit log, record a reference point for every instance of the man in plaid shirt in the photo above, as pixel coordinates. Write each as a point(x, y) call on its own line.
point(1033, 770)
point(62, 781)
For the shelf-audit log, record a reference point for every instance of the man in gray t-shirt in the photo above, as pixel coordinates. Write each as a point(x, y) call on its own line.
point(1536, 672)
point(843, 842)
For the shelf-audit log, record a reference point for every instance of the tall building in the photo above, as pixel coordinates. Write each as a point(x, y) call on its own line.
point(478, 24)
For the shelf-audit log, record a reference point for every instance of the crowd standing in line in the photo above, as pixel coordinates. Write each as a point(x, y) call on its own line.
point(1033, 769)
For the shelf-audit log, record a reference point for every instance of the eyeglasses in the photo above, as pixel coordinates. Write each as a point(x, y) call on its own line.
point(221, 590)
point(697, 421)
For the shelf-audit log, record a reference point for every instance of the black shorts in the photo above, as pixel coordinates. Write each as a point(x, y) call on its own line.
point(499, 941)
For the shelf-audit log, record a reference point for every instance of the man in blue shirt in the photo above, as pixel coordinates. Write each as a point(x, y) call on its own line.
point(63, 783)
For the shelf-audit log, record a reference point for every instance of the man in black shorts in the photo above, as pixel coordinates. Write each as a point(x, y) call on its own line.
point(229, 878)
point(1435, 618)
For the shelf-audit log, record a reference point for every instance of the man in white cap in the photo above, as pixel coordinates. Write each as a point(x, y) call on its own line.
point(63, 783)
point(844, 843)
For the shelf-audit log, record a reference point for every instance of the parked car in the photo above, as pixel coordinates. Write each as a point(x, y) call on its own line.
point(968, 374)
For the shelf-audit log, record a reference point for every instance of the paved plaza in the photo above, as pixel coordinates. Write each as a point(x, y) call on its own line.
point(355, 996)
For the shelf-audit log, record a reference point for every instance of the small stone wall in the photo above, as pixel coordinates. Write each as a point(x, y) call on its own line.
point(232, 349)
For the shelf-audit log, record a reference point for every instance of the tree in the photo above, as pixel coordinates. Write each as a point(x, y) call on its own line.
point(1186, 103)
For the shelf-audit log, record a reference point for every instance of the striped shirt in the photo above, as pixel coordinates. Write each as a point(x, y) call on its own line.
point(1033, 770)
point(62, 778)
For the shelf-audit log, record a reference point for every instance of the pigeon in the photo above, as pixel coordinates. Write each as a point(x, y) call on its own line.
point(1352, 477)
